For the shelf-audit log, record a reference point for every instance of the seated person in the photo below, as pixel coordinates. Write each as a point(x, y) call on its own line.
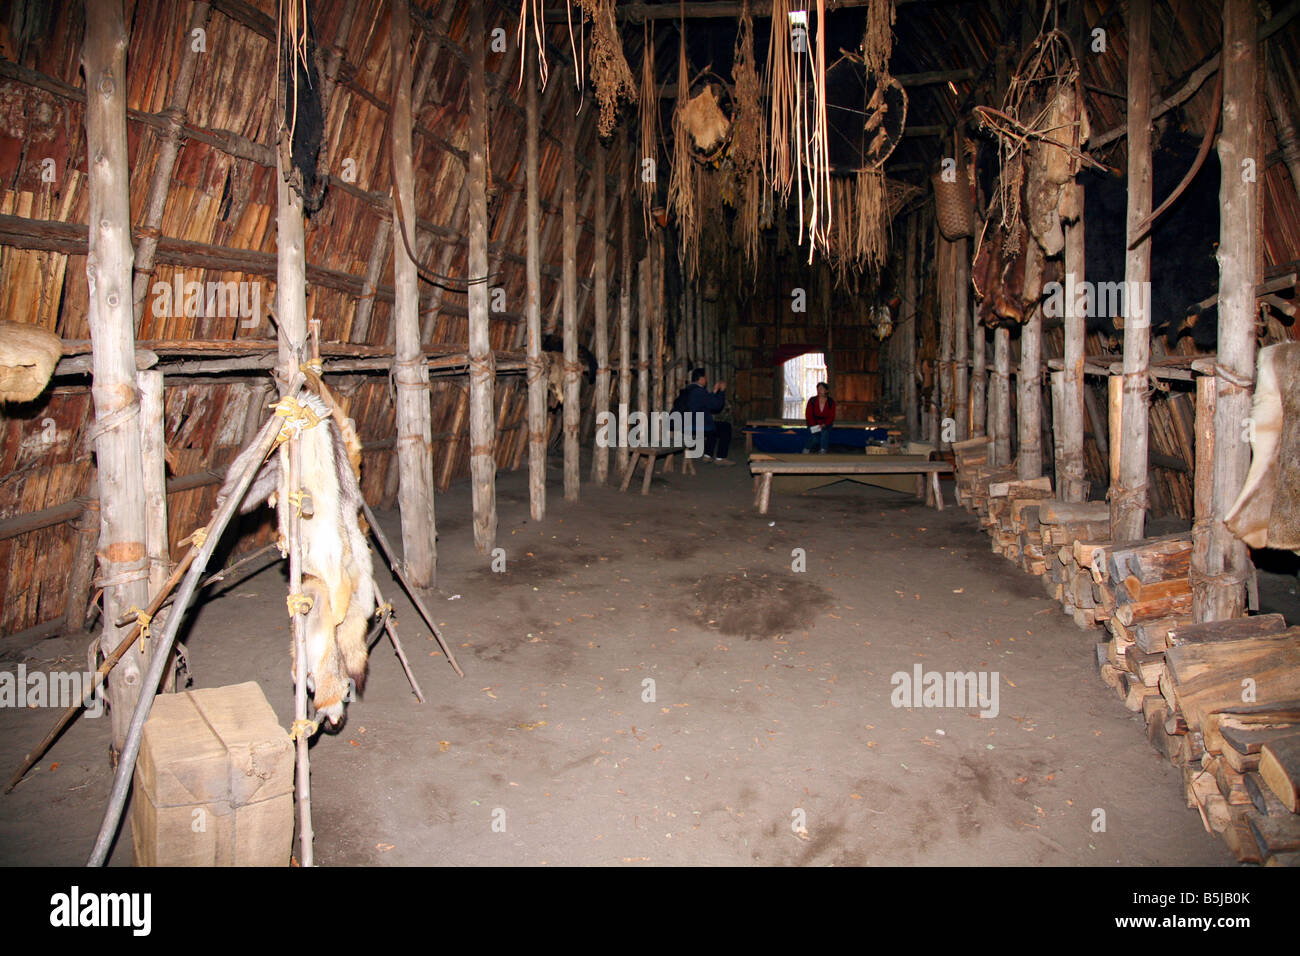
point(820, 416)
point(717, 435)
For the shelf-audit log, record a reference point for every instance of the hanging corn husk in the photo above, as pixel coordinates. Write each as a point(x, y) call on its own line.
point(648, 161)
point(746, 152)
point(681, 187)
point(609, 69)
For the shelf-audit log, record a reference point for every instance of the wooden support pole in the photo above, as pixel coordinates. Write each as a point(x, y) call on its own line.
point(599, 453)
point(482, 371)
point(537, 413)
point(1071, 477)
point(168, 149)
point(1227, 560)
point(643, 335)
point(153, 463)
point(943, 257)
point(907, 327)
point(570, 243)
point(123, 557)
point(625, 305)
point(1203, 494)
point(960, 266)
point(410, 373)
point(1029, 397)
point(1000, 413)
point(1128, 495)
point(657, 318)
point(979, 361)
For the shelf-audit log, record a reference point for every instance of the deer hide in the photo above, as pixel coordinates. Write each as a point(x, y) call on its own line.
point(1267, 512)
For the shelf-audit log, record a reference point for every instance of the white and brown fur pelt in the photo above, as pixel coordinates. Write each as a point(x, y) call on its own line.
point(1267, 512)
point(337, 573)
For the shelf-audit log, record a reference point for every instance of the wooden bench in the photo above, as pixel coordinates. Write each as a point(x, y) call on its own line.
point(763, 467)
point(649, 456)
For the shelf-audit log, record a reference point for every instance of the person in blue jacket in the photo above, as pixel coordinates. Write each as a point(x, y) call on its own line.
point(717, 435)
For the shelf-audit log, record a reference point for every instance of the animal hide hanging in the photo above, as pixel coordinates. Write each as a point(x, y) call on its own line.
point(337, 572)
point(704, 119)
point(28, 354)
point(1267, 512)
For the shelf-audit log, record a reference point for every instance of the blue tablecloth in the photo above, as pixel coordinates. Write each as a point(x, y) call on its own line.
point(787, 440)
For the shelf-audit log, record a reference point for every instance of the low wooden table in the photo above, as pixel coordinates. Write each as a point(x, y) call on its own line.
point(649, 456)
point(764, 466)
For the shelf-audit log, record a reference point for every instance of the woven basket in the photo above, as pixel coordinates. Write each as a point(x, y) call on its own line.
point(952, 206)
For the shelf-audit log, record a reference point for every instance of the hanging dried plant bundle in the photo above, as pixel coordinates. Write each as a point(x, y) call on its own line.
point(521, 34)
point(681, 187)
point(818, 162)
point(609, 69)
point(648, 160)
point(746, 153)
point(783, 93)
point(864, 204)
point(878, 42)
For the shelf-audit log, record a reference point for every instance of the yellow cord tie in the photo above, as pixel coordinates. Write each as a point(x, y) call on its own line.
point(298, 417)
point(142, 621)
point(199, 536)
point(297, 499)
point(386, 608)
point(299, 603)
point(304, 728)
point(314, 367)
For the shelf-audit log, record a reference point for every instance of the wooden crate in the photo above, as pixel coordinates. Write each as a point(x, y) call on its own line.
point(214, 781)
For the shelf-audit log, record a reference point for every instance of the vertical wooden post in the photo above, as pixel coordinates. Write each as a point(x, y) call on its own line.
point(959, 264)
point(643, 335)
point(1029, 398)
point(907, 327)
point(943, 257)
point(570, 243)
point(124, 566)
point(1057, 386)
point(1114, 425)
point(979, 362)
point(537, 417)
point(1203, 495)
point(1128, 496)
point(657, 313)
point(482, 365)
point(169, 144)
point(154, 468)
point(410, 373)
point(625, 306)
point(1071, 480)
point(1227, 559)
point(1001, 411)
point(599, 455)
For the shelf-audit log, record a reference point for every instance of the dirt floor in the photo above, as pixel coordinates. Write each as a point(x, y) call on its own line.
point(771, 700)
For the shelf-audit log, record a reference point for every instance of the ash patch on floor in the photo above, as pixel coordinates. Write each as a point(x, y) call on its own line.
point(758, 605)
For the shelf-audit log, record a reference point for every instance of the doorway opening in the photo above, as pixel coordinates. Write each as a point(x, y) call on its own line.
point(801, 375)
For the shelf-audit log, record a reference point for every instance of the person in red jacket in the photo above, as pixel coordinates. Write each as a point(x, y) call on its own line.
point(820, 416)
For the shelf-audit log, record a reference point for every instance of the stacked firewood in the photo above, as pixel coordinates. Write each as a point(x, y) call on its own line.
point(1222, 701)
point(974, 473)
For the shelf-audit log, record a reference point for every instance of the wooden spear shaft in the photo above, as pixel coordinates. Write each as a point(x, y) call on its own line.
point(382, 540)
